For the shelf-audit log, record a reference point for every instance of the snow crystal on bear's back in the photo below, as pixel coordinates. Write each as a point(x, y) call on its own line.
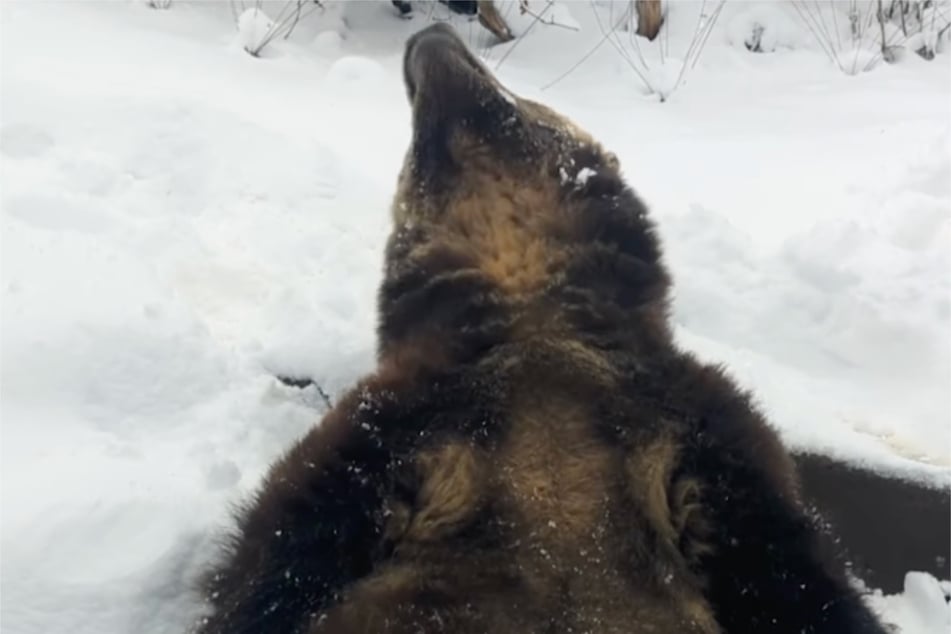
point(566, 174)
point(583, 175)
point(507, 96)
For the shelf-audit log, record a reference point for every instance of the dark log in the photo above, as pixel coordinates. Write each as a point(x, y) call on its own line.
point(887, 525)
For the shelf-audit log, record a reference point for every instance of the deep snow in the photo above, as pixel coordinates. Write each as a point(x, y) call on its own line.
point(181, 221)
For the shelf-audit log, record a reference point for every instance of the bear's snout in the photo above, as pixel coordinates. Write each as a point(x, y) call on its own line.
point(434, 57)
point(458, 106)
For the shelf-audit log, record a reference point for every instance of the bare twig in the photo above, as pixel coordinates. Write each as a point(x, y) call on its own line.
point(537, 19)
point(577, 64)
point(881, 24)
point(911, 17)
point(835, 27)
point(821, 21)
point(550, 21)
point(635, 44)
point(282, 25)
point(696, 30)
point(297, 16)
point(302, 384)
point(803, 10)
point(620, 49)
point(711, 23)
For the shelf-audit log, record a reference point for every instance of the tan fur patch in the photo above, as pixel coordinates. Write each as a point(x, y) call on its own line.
point(453, 487)
point(590, 361)
point(369, 604)
point(503, 224)
point(672, 507)
point(649, 471)
point(698, 613)
point(545, 115)
point(411, 356)
point(556, 473)
point(689, 520)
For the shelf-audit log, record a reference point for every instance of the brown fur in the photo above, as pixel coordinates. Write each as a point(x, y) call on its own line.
point(533, 454)
point(451, 490)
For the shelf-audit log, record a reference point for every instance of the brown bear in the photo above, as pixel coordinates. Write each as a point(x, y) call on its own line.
point(533, 454)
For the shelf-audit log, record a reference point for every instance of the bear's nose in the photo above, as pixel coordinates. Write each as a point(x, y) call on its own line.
point(436, 56)
point(433, 40)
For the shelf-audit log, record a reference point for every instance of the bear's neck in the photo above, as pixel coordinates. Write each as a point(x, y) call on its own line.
point(601, 285)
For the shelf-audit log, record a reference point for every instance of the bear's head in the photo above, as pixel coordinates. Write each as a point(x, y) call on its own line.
point(509, 221)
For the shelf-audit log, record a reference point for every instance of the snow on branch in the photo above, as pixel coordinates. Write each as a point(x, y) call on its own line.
point(256, 30)
point(647, 49)
point(857, 35)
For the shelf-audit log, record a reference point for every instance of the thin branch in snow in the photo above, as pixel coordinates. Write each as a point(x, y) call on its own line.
point(803, 11)
point(581, 61)
point(696, 29)
point(537, 19)
point(270, 29)
point(710, 24)
point(305, 383)
point(620, 49)
point(835, 26)
point(550, 21)
point(664, 83)
point(919, 21)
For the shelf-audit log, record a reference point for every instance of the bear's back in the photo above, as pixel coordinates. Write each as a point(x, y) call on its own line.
point(526, 523)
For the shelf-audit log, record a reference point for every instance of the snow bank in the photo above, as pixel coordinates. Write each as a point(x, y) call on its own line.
point(856, 306)
point(178, 228)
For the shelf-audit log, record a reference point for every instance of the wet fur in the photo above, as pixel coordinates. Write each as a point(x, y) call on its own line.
point(533, 453)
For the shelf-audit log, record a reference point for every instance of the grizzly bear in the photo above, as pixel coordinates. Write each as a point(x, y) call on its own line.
point(532, 454)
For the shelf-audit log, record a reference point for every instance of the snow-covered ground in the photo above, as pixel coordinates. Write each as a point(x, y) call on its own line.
point(181, 221)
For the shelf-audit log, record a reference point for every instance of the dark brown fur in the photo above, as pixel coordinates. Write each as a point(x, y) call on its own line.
point(533, 453)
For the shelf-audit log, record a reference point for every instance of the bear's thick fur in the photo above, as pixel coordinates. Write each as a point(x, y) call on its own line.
point(533, 453)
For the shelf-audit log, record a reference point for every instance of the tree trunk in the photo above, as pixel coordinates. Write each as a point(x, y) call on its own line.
point(650, 18)
point(490, 18)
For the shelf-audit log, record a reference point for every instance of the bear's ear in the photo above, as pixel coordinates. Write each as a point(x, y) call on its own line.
point(612, 161)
